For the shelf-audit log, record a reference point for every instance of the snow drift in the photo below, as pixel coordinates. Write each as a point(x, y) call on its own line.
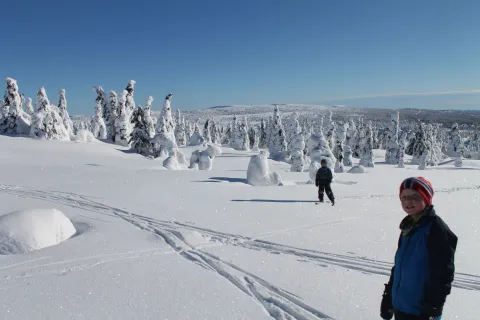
point(30, 230)
point(357, 169)
point(258, 172)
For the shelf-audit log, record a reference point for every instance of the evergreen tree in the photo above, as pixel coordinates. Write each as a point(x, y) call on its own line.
point(148, 118)
point(123, 129)
point(262, 143)
point(402, 143)
point(46, 121)
point(129, 99)
point(392, 140)
point(14, 119)
point(166, 114)
point(206, 132)
point(140, 139)
point(112, 103)
point(62, 111)
point(368, 159)
point(420, 150)
point(297, 155)
point(107, 114)
point(180, 130)
point(99, 128)
point(29, 108)
point(331, 127)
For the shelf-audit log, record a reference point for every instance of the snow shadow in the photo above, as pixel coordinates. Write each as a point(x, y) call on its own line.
point(81, 228)
point(225, 179)
point(273, 201)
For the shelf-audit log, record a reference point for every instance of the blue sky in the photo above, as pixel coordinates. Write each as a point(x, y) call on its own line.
point(209, 53)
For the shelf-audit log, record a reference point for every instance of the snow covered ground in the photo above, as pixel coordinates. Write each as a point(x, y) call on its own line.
point(157, 244)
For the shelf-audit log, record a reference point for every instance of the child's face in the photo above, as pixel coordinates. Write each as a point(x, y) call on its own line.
point(412, 202)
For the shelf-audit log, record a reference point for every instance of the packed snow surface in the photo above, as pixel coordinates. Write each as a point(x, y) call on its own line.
point(153, 243)
point(84, 136)
point(29, 230)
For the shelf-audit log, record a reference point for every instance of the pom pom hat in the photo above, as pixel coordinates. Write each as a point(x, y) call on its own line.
point(421, 185)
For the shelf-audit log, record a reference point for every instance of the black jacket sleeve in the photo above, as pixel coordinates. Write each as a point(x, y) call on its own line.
point(441, 245)
point(317, 178)
point(330, 176)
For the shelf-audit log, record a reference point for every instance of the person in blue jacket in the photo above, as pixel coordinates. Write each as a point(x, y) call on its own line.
point(424, 268)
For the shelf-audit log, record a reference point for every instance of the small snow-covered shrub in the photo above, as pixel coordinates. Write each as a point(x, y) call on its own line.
point(84, 136)
point(357, 169)
point(29, 230)
point(203, 160)
point(258, 173)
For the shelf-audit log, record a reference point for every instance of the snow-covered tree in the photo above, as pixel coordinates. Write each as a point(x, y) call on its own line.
point(140, 140)
point(123, 128)
point(277, 145)
point(262, 139)
point(233, 132)
point(148, 118)
point(129, 99)
point(112, 103)
point(252, 138)
point(29, 108)
point(402, 143)
point(297, 145)
point(318, 149)
point(14, 119)
point(392, 140)
point(350, 134)
point(420, 149)
point(46, 121)
point(292, 129)
point(215, 132)
point(455, 146)
point(196, 138)
point(331, 127)
point(107, 115)
point(99, 129)
point(62, 111)
point(167, 115)
point(180, 130)
point(206, 132)
point(368, 159)
point(242, 141)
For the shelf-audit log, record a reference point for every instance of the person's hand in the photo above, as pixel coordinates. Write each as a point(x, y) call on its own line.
point(386, 307)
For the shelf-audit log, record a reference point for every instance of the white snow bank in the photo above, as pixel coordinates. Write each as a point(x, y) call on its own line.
point(29, 230)
point(357, 169)
point(84, 136)
point(203, 160)
point(258, 172)
point(194, 238)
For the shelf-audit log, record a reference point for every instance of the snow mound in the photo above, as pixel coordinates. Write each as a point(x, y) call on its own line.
point(30, 230)
point(194, 239)
point(258, 172)
point(357, 169)
point(84, 136)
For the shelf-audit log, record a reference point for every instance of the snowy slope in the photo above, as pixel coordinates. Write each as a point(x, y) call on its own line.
point(159, 244)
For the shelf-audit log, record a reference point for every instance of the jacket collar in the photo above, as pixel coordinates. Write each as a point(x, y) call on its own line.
point(408, 222)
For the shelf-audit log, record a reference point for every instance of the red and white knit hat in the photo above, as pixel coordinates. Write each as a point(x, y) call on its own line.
point(421, 185)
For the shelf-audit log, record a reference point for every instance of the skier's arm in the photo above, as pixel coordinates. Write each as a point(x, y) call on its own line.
point(317, 178)
point(330, 176)
point(441, 245)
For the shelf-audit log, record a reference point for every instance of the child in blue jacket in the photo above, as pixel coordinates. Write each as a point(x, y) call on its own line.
point(424, 268)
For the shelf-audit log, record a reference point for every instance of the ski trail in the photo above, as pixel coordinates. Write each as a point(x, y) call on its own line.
point(171, 234)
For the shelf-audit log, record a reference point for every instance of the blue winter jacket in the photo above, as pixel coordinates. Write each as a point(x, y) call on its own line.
point(424, 266)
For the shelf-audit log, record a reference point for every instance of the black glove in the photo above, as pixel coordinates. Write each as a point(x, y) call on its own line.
point(433, 311)
point(386, 307)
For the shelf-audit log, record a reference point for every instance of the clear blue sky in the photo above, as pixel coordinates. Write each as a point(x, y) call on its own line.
point(226, 52)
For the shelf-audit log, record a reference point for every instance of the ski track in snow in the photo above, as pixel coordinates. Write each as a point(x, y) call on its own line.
point(279, 304)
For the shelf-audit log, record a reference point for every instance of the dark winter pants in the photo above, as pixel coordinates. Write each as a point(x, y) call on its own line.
point(325, 188)
point(403, 316)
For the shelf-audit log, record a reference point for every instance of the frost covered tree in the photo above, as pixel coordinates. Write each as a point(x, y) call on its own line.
point(148, 118)
point(420, 150)
point(215, 132)
point(277, 145)
point(367, 159)
point(46, 121)
point(129, 99)
point(233, 132)
point(318, 149)
point(331, 127)
point(402, 143)
point(391, 142)
point(99, 129)
point(350, 134)
point(359, 140)
point(196, 138)
point(166, 114)
point(297, 155)
point(241, 139)
point(112, 103)
point(292, 129)
point(206, 132)
point(140, 140)
point(123, 128)
point(29, 108)
point(180, 130)
point(252, 138)
point(14, 119)
point(454, 146)
point(338, 149)
point(107, 114)
point(62, 111)
point(262, 139)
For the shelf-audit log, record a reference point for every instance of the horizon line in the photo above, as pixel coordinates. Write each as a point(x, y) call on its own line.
point(408, 94)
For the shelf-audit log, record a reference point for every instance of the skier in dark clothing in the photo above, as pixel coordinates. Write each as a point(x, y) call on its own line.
point(424, 268)
point(323, 180)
